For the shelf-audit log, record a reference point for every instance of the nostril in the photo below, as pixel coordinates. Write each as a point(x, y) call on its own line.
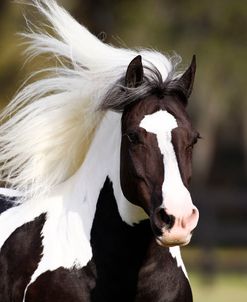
point(165, 219)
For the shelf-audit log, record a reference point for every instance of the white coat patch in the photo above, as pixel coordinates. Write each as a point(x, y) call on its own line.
point(175, 252)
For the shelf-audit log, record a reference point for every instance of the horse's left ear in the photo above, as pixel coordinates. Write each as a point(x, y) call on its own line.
point(134, 74)
point(187, 79)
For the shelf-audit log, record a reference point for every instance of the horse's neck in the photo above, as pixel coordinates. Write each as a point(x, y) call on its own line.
point(73, 204)
point(102, 161)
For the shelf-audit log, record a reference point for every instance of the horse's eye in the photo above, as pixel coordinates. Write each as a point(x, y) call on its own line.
point(194, 141)
point(133, 137)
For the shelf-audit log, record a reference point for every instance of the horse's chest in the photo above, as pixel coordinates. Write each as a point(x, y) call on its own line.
point(127, 265)
point(160, 279)
point(118, 251)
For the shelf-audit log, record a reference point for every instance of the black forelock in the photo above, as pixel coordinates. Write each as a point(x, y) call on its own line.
point(120, 96)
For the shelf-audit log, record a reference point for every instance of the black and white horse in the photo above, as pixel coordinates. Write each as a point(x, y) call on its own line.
point(100, 155)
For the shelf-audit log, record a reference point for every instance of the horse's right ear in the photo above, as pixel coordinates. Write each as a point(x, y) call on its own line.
point(187, 79)
point(134, 74)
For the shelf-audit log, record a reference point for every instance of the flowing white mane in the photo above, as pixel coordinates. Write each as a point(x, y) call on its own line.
point(51, 122)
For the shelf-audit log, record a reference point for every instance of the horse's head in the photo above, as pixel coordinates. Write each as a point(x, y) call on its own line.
point(156, 155)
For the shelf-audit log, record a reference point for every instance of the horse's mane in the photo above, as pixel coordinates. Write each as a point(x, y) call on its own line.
point(51, 122)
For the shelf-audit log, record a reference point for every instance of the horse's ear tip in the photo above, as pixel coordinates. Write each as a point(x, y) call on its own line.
point(193, 62)
point(138, 59)
point(134, 74)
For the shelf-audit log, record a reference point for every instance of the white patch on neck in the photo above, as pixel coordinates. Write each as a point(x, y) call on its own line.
point(176, 254)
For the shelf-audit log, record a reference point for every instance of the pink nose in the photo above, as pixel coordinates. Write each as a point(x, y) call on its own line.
point(177, 229)
point(190, 221)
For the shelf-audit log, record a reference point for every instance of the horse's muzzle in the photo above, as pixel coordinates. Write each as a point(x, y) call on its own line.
point(171, 230)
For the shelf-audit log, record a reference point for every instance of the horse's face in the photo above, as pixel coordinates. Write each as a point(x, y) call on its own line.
point(156, 154)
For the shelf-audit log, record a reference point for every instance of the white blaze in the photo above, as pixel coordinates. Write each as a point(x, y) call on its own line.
point(176, 197)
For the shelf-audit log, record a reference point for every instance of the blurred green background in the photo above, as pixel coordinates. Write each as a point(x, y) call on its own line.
point(217, 33)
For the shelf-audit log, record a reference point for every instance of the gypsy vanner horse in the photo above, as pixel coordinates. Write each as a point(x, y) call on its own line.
point(96, 158)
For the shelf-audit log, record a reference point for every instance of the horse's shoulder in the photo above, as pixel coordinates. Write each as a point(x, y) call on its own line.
point(19, 258)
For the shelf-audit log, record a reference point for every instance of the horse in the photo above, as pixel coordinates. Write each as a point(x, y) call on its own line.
point(96, 158)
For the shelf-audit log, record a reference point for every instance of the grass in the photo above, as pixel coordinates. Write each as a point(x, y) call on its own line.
point(228, 279)
point(219, 288)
